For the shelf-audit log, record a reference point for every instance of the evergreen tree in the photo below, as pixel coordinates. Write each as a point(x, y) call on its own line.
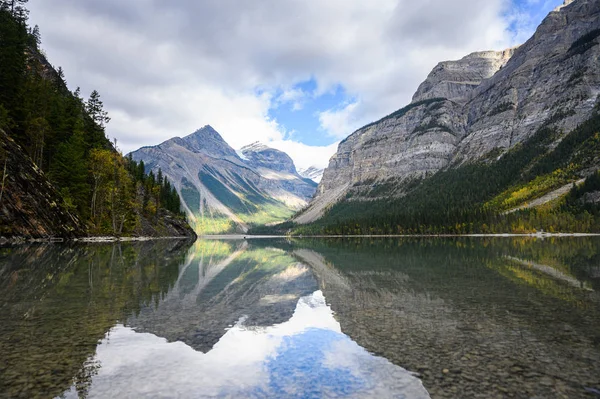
point(35, 39)
point(95, 109)
point(69, 171)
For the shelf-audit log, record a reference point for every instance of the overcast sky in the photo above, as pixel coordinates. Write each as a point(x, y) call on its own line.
point(298, 75)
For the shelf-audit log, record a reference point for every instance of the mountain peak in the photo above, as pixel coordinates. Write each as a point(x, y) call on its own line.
point(207, 140)
point(564, 4)
point(258, 154)
point(456, 80)
point(255, 147)
point(206, 131)
point(312, 172)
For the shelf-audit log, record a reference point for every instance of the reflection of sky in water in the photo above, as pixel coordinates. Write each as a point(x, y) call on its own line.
point(306, 357)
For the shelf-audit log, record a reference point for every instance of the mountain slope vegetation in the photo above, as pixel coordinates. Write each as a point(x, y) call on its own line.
point(63, 135)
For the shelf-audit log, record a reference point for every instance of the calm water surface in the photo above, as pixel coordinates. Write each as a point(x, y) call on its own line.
point(340, 318)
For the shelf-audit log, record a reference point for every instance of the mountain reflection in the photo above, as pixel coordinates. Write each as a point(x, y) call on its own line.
point(297, 318)
point(220, 282)
point(304, 357)
point(475, 317)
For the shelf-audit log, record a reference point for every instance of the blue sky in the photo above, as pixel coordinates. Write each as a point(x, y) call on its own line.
point(297, 109)
point(296, 75)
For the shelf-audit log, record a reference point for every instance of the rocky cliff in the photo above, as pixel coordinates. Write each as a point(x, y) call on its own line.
point(225, 191)
point(259, 155)
point(474, 109)
point(30, 207)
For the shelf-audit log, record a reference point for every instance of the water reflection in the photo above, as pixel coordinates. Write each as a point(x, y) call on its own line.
point(477, 318)
point(220, 282)
point(306, 356)
point(58, 301)
point(302, 318)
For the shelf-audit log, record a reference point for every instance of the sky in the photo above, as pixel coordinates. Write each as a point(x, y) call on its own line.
point(297, 75)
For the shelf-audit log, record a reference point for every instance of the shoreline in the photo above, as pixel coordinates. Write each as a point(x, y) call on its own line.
point(112, 239)
point(95, 239)
point(497, 235)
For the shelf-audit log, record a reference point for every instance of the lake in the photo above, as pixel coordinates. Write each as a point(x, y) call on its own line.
point(302, 318)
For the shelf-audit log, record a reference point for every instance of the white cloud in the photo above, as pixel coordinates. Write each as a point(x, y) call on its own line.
point(295, 96)
point(304, 155)
point(165, 69)
point(339, 123)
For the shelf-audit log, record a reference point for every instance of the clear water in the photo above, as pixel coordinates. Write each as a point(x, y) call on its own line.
point(343, 318)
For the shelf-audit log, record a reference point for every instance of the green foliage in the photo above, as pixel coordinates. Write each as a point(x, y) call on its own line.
point(576, 201)
point(64, 135)
point(209, 224)
point(433, 124)
point(521, 193)
point(69, 171)
point(190, 195)
point(502, 107)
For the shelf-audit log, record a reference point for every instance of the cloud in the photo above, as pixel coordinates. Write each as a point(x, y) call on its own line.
point(166, 68)
point(295, 96)
point(304, 155)
point(339, 122)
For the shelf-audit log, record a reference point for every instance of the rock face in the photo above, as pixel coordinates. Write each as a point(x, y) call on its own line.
point(259, 155)
point(165, 224)
point(30, 207)
point(313, 173)
point(226, 191)
point(455, 80)
point(476, 107)
point(275, 164)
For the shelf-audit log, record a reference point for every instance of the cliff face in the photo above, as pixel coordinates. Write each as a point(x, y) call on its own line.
point(259, 155)
point(551, 79)
point(473, 108)
point(30, 207)
point(456, 80)
point(223, 191)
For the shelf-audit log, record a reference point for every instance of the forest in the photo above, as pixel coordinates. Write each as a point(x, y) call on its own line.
point(64, 134)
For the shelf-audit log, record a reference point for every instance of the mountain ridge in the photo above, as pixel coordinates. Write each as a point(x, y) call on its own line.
point(224, 190)
point(434, 131)
point(551, 82)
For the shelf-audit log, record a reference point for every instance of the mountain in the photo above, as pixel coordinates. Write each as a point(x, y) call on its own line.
point(275, 164)
point(492, 130)
point(313, 173)
point(225, 191)
point(259, 155)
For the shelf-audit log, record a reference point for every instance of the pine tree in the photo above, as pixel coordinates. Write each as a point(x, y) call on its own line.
point(69, 170)
point(35, 39)
point(95, 109)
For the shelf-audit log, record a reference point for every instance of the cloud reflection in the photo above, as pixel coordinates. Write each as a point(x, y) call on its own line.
point(305, 357)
